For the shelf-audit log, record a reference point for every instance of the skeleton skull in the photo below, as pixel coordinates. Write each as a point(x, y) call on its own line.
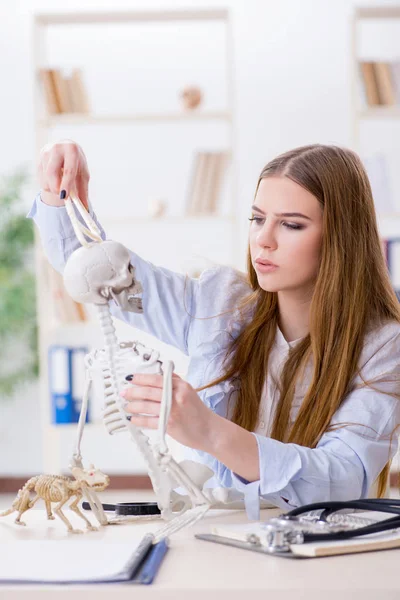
point(101, 272)
point(95, 478)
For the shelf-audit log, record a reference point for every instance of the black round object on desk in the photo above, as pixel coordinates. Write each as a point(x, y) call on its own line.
point(137, 508)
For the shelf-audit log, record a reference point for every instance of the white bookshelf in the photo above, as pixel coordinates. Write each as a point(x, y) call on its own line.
point(364, 117)
point(98, 124)
point(373, 123)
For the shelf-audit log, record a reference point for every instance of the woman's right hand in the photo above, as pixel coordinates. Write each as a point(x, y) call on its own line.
point(63, 169)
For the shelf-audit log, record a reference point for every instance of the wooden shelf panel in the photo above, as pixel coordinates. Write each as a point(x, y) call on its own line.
point(378, 12)
point(172, 220)
point(379, 112)
point(84, 119)
point(74, 18)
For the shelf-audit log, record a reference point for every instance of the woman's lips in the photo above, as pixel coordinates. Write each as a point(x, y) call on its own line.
point(265, 268)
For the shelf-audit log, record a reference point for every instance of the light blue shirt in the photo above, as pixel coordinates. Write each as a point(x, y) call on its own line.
point(345, 463)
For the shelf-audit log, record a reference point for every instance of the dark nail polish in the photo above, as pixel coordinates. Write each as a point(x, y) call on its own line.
point(63, 193)
point(129, 377)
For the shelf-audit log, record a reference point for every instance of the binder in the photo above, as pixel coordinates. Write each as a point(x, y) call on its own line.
point(66, 383)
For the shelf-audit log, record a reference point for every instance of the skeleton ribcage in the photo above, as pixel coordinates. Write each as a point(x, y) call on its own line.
point(50, 487)
point(132, 357)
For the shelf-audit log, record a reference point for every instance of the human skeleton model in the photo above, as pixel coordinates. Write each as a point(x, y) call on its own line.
point(97, 272)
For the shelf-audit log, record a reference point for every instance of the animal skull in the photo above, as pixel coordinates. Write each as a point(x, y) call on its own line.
point(95, 478)
point(100, 272)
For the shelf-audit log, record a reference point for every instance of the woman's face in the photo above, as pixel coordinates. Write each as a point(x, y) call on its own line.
point(286, 230)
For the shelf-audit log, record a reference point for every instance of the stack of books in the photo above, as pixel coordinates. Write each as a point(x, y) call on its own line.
point(391, 249)
point(66, 309)
point(206, 183)
point(381, 82)
point(64, 94)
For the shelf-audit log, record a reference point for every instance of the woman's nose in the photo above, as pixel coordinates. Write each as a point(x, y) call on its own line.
point(266, 238)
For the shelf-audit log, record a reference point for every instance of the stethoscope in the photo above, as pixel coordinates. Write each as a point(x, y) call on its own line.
point(302, 525)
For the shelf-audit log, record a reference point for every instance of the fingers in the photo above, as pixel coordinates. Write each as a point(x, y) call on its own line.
point(51, 173)
point(142, 393)
point(63, 169)
point(145, 422)
point(143, 407)
point(145, 379)
point(82, 185)
point(69, 172)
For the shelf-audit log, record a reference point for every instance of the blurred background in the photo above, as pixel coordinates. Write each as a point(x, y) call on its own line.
point(178, 106)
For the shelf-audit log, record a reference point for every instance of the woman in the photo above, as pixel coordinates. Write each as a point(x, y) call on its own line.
point(298, 365)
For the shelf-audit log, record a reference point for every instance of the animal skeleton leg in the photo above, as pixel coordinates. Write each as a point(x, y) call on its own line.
point(50, 515)
point(60, 513)
point(74, 506)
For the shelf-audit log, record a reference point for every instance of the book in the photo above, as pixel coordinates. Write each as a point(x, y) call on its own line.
point(206, 182)
point(386, 91)
point(81, 561)
point(64, 92)
point(239, 535)
point(198, 172)
point(370, 83)
point(50, 96)
point(393, 261)
point(60, 85)
point(65, 308)
point(77, 93)
point(395, 68)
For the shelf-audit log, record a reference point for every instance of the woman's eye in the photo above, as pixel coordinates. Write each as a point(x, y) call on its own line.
point(292, 225)
point(257, 220)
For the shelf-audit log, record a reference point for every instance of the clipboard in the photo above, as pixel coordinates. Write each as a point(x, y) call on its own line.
point(248, 536)
point(74, 562)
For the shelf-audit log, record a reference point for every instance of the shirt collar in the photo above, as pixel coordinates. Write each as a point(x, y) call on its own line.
point(282, 342)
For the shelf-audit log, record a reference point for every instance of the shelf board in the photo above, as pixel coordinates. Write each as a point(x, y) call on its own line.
point(391, 215)
point(87, 119)
point(73, 18)
point(380, 112)
point(172, 220)
point(378, 12)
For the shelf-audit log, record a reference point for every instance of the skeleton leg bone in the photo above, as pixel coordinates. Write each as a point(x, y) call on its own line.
point(60, 514)
point(74, 506)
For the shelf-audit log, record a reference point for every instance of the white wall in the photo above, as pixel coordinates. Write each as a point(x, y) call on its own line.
point(292, 87)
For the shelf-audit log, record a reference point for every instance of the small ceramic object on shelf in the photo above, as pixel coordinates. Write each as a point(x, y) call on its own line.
point(191, 97)
point(157, 208)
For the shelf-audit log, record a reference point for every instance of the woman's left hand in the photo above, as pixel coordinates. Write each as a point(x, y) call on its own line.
point(189, 421)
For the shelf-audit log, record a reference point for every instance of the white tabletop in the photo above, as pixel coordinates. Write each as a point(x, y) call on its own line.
point(194, 568)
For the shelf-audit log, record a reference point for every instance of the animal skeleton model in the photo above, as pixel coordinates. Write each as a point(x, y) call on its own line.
point(97, 272)
point(56, 488)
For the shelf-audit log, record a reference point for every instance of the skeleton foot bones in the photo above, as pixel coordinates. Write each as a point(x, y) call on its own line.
point(60, 489)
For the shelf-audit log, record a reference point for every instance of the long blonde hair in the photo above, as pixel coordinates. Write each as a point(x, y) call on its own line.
point(352, 291)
